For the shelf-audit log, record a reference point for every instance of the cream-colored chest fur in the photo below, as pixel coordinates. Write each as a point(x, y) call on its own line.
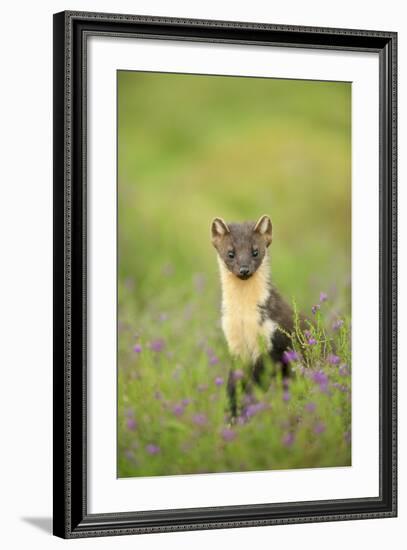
point(241, 320)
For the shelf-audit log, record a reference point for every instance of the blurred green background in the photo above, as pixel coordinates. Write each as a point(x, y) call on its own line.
point(192, 147)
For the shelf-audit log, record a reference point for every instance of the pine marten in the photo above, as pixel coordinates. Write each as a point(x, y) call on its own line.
point(252, 309)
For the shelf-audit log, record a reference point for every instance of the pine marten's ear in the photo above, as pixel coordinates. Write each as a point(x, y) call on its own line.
point(264, 228)
point(219, 229)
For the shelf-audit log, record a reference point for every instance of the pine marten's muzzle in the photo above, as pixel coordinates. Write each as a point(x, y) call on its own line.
point(244, 272)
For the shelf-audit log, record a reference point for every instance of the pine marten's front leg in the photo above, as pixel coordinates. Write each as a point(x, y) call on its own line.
point(255, 376)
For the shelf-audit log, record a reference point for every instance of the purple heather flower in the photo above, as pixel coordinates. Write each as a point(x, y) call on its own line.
point(344, 370)
point(131, 424)
point(315, 308)
point(319, 377)
point(228, 434)
point(253, 409)
point(129, 454)
point(213, 360)
point(319, 428)
point(310, 407)
point(129, 412)
point(218, 381)
point(237, 374)
point(337, 324)
point(312, 341)
point(323, 297)
point(186, 401)
point(178, 409)
point(152, 449)
point(333, 359)
point(286, 396)
point(157, 345)
point(199, 419)
point(289, 356)
point(288, 439)
point(137, 348)
point(248, 399)
point(307, 333)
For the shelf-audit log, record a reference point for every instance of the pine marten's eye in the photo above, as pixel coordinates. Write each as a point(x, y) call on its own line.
point(231, 254)
point(255, 252)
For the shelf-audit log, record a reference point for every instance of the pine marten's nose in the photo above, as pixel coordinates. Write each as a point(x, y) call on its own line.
point(244, 270)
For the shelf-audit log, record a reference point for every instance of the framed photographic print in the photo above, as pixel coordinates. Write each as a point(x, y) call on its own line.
point(224, 274)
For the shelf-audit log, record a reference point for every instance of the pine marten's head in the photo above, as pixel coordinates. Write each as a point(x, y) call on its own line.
point(242, 246)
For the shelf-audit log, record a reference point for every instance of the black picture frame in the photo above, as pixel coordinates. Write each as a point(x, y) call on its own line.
point(71, 518)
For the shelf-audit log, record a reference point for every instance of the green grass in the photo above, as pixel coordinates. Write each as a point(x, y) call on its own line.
point(191, 148)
